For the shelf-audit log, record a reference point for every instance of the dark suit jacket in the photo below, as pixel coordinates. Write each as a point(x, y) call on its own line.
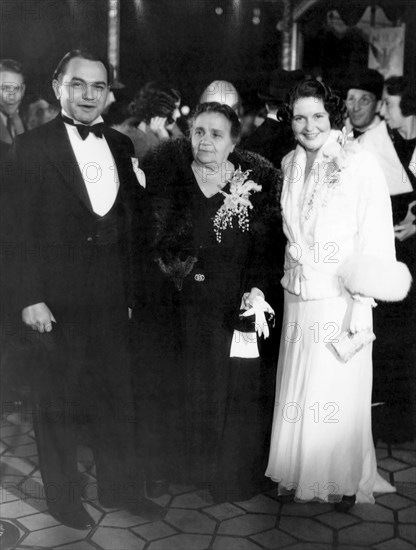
point(272, 139)
point(55, 227)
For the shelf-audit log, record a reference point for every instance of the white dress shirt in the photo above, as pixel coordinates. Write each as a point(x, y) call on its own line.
point(97, 167)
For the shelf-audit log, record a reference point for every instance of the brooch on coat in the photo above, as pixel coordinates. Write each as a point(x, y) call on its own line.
point(335, 162)
point(236, 203)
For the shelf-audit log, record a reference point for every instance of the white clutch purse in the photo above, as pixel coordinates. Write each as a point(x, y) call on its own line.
point(351, 343)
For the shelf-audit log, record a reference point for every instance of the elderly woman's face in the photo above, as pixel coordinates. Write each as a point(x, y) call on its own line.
point(391, 111)
point(211, 138)
point(310, 123)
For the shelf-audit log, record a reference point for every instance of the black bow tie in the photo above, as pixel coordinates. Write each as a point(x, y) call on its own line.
point(96, 129)
point(357, 133)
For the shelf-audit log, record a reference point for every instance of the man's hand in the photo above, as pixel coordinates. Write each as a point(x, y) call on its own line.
point(406, 228)
point(38, 317)
point(403, 230)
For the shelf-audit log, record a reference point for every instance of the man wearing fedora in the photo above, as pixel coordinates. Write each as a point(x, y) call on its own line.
point(273, 139)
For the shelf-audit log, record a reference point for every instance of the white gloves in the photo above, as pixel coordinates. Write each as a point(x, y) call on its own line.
point(259, 307)
point(361, 314)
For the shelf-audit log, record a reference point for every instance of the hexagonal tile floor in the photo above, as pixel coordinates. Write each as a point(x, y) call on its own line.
point(193, 522)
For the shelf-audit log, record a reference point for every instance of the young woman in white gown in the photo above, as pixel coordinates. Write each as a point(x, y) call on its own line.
point(340, 256)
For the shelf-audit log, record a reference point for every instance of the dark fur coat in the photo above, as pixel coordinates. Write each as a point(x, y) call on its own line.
point(170, 226)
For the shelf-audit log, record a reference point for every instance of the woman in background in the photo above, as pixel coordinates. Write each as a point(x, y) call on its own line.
point(156, 106)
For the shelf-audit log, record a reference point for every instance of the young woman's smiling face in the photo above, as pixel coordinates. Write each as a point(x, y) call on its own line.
point(310, 123)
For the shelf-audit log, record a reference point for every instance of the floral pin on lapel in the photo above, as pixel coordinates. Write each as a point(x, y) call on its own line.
point(236, 203)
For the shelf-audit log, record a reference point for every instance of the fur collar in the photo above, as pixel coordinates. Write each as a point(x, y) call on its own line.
point(170, 182)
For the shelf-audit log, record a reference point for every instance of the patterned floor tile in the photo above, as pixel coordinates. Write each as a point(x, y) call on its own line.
point(37, 504)
point(193, 500)
point(395, 544)
point(408, 515)
point(408, 532)
point(366, 533)
point(273, 539)
point(38, 521)
point(381, 453)
point(250, 524)
point(17, 509)
point(11, 465)
point(33, 487)
point(234, 543)
point(22, 451)
point(82, 545)
point(109, 538)
point(190, 521)
point(310, 509)
point(53, 537)
point(182, 542)
point(122, 518)
point(394, 501)
point(406, 476)
point(9, 430)
point(311, 530)
point(336, 520)
point(260, 504)
point(391, 465)
point(154, 531)
point(223, 511)
point(372, 512)
point(408, 445)
point(312, 546)
point(18, 439)
point(409, 457)
point(9, 493)
point(406, 489)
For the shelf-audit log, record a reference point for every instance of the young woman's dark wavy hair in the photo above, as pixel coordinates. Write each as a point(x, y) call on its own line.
point(314, 88)
point(225, 110)
point(401, 86)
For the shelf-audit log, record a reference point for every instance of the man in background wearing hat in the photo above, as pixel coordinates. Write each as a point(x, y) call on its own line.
point(363, 102)
point(274, 138)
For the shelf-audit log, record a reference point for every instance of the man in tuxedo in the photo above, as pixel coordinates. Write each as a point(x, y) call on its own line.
point(76, 190)
point(12, 90)
point(273, 139)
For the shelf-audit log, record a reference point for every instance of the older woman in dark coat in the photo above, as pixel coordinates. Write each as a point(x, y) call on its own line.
point(213, 222)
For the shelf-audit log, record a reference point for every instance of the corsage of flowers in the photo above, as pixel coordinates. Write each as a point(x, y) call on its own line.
point(334, 162)
point(236, 203)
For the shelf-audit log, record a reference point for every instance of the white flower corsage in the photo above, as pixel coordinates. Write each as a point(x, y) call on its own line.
point(236, 203)
point(335, 161)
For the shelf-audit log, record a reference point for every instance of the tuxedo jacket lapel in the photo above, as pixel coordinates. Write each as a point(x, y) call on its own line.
point(58, 148)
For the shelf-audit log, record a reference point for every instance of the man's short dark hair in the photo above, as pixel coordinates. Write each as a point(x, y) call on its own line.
point(11, 66)
point(82, 54)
